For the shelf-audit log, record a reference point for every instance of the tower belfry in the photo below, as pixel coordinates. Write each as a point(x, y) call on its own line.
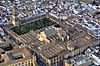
point(13, 16)
point(15, 21)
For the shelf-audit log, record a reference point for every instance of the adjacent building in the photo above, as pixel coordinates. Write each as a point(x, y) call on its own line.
point(17, 57)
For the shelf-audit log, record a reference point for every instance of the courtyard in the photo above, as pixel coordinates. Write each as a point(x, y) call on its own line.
point(32, 26)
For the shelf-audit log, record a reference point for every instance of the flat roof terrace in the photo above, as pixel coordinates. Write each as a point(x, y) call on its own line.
point(32, 26)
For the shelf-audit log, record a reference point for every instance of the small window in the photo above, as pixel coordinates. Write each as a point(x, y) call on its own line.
point(2, 60)
point(29, 64)
point(31, 60)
